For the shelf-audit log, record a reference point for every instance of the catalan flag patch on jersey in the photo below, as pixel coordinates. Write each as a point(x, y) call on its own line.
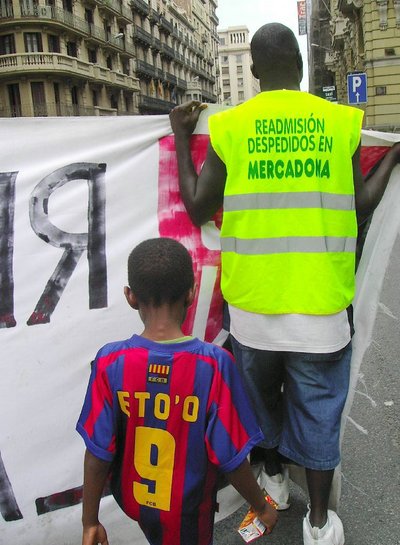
point(158, 373)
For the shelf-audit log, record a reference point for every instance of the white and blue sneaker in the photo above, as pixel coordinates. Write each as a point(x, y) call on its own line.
point(331, 534)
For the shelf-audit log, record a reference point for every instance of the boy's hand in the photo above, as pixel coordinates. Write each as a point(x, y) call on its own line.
point(184, 117)
point(94, 535)
point(268, 516)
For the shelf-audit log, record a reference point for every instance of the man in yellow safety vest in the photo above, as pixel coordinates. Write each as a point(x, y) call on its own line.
point(285, 167)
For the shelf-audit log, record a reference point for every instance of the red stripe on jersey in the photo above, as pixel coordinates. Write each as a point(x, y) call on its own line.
point(134, 380)
point(182, 380)
point(112, 446)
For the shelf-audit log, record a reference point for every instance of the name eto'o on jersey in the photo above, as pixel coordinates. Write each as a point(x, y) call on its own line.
point(160, 405)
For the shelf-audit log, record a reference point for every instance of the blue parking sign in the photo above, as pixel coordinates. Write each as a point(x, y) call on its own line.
point(357, 88)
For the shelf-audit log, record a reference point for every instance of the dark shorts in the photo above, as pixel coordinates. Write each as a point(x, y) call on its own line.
point(299, 399)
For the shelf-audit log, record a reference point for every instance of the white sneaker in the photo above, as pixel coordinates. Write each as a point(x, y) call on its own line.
point(331, 534)
point(277, 487)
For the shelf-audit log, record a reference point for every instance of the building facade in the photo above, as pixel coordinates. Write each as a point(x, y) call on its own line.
point(319, 47)
point(176, 46)
point(364, 37)
point(237, 82)
point(105, 57)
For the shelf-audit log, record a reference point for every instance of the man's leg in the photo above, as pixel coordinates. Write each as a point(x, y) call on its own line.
point(319, 486)
point(316, 388)
point(263, 374)
point(272, 462)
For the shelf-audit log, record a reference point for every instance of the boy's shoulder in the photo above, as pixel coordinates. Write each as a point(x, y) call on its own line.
point(114, 347)
point(217, 351)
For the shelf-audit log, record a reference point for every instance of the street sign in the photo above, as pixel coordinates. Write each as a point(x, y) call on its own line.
point(329, 93)
point(357, 88)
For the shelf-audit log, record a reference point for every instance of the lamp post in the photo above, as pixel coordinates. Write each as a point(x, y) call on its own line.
point(322, 47)
point(323, 79)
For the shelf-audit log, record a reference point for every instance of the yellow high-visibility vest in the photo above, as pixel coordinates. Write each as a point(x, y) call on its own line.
point(289, 227)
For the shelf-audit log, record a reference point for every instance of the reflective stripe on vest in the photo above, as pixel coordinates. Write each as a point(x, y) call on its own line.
point(270, 201)
point(267, 246)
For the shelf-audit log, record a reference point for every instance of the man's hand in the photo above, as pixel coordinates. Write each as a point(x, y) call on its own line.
point(94, 535)
point(184, 117)
point(369, 192)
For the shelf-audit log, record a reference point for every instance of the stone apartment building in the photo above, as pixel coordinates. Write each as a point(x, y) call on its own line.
point(237, 83)
point(105, 57)
point(348, 36)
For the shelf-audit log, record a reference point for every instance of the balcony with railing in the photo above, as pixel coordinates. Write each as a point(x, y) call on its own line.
point(200, 72)
point(166, 25)
point(170, 78)
point(142, 36)
point(154, 105)
point(167, 51)
point(156, 44)
point(209, 97)
point(125, 14)
point(56, 14)
point(117, 8)
point(147, 70)
point(140, 6)
point(79, 25)
point(153, 16)
point(214, 18)
point(181, 84)
point(48, 63)
point(175, 32)
point(179, 58)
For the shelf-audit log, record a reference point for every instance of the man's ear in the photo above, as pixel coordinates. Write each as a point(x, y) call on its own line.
point(131, 298)
point(254, 71)
point(191, 294)
point(299, 62)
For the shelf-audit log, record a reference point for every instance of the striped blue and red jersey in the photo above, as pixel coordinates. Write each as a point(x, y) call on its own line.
point(168, 416)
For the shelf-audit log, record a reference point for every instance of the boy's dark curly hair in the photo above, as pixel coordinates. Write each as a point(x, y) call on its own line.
point(160, 270)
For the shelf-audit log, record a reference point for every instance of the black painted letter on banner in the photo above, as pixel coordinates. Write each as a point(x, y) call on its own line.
point(74, 244)
point(7, 206)
point(8, 506)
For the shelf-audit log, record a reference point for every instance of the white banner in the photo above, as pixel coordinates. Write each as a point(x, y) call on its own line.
point(76, 195)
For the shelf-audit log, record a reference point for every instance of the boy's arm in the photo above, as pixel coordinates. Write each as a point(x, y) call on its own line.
point(245, 483)
point(95, 476)
point(368, 193)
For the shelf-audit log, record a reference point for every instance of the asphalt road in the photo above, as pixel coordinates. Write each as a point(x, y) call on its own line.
point(370, 501)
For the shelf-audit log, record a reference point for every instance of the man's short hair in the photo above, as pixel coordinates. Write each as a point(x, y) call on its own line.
point(274, 47)
point(160, 270)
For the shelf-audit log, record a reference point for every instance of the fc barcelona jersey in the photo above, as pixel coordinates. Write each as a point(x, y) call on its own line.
point(167, 416)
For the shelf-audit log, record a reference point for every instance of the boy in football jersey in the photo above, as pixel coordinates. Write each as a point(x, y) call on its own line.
point(164, 413)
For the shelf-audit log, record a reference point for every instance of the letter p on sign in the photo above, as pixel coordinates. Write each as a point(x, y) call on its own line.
point(357, 88)
point(357, 81)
